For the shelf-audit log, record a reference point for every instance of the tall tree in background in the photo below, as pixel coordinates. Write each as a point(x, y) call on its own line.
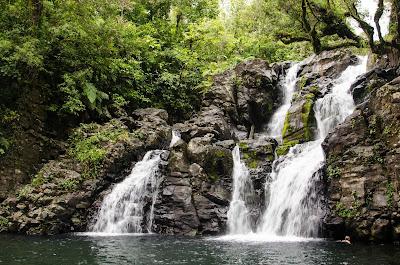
point(315, 21)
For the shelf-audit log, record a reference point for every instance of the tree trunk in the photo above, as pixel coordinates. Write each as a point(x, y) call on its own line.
point(315, 42)
point(377, 17)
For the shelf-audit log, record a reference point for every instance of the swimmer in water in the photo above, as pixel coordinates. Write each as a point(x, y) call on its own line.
point(346, 240)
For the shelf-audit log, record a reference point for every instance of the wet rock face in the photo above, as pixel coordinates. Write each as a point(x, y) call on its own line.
point(374, 79)
point(33, 142)
point(196, 192)
point(248, 94)
point(362, 171)
point(316, 77)
point(64, 194)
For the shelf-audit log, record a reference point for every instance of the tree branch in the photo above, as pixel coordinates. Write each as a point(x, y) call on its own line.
point(377, 17)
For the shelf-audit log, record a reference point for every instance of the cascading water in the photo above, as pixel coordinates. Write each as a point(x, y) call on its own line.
point(238, 214)
point(122, 209)
point(176, 136)
point(288, 86)
point(290, 211)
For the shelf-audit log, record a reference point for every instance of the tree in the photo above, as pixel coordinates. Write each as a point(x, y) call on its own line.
point(314, 21)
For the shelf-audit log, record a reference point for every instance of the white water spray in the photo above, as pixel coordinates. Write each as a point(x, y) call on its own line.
point(275, 126)
point(176, 136)
point(122, 209)
point(293, 208)
point(238, 214)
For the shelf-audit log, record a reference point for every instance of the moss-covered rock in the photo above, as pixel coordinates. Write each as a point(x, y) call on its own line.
point(284, 148)
point(300, 121)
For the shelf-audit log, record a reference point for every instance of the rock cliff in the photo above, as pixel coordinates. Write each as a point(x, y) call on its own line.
point(362, 171)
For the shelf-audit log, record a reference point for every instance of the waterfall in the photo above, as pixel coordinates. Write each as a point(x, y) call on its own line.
point(176, 136)
point(238, 214)
point(293, 208)
point(288, 85)
point(122, 210)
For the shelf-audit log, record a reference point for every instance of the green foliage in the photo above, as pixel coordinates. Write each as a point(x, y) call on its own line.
point(94, 57)
point(69, 184)
point(389, 194)
point(89, 143)
point(7, 118)
point(24, 192)
point(4, 144)
point(41, 178)
point(333, 172)
point(344, 212)
point(3, 223)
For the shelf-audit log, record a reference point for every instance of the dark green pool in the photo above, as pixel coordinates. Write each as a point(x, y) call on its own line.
point(149, 250)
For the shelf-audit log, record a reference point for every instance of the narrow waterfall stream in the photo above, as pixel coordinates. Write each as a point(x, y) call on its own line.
point(238, 214)
point(122, 210)
point(288, 86)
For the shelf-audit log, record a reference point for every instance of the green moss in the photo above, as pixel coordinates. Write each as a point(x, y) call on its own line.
point(253, 164)
point(250, 157)
point(313, 89)
point(243, 146)
point(302, 82)
point(353, 123)
point(296, 96)
point(374, 125)
point(284, 148)
point(286, 126)
point(306, 116)
point(389, 194)
point(220, 154)
point(237, 81)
